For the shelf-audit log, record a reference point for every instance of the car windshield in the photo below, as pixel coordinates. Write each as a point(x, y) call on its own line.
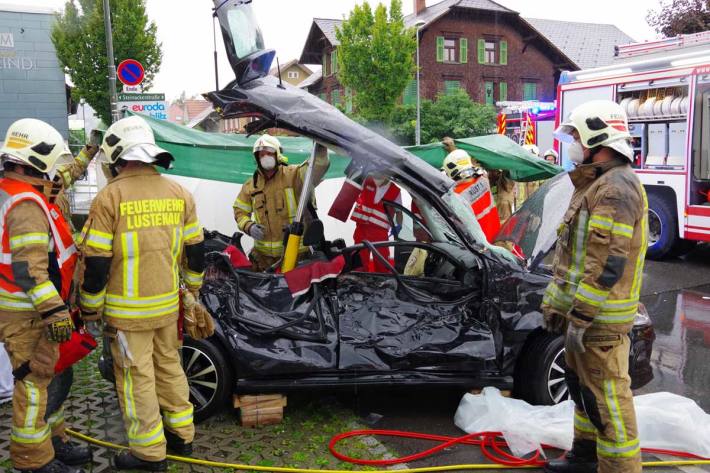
point(533, 227)
point(240, 29)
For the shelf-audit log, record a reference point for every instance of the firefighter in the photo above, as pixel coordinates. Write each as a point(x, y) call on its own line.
point(142, 236)
point(474, 187)
point(503, 189)
point(372, 222)
point(68, 174)
point(551, 156)
point(38, 264)
point(267, 203)
point(526, 189)
point(594, 295)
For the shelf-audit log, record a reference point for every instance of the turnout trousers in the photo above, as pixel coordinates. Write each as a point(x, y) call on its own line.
point(600, 386)
point(150, 381)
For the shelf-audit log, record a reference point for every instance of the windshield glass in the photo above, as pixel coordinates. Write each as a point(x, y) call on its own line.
point(240, 29)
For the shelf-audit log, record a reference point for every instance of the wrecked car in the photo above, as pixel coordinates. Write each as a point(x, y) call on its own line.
point(471, 318)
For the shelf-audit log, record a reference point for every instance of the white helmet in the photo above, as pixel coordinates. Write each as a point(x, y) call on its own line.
point(132, 139)
point(551, 152)
point(532, 149)
point(35, 143)
point(267, 142)
point(458, 165)
point(599, 123)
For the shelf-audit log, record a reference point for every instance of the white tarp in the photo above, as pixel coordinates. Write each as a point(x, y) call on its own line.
point(6, 379)
point(665, 420)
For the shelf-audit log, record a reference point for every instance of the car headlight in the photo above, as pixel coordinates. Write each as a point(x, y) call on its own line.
point(642, 317)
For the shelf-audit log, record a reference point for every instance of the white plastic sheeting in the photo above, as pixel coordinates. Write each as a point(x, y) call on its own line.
point(665, 420)
point(6, 379)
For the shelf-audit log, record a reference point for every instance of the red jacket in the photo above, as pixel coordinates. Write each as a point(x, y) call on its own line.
point(477, 192)
point(372, 212)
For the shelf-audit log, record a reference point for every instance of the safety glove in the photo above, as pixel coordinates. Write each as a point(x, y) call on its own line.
point(93, 323)
point(257, 232)
point(574, 338)
point(59, 327)
point(198, 321)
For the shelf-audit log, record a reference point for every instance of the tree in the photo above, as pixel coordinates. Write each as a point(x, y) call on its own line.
point(376, 58)
point(680, 17)
point(454, 115)
point(79, 38)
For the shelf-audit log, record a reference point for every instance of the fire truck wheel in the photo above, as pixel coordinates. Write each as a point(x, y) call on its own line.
point(663, 227)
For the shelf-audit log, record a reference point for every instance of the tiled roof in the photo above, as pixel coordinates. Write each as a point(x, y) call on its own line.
point(196, 107)
point(436, 10)
point(587, 44)
point(327, 26)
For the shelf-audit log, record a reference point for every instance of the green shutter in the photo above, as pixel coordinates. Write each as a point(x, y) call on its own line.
point(410, 93)
point(503, 92)
point(451, 86)
point(490, 99)
point(348, 100)
point(334, 61)
point(463, 50)
point(503, 52)
point(325, 64)
point(529, 91)
point(439, 49)
point(481, 51)
point(336, 97)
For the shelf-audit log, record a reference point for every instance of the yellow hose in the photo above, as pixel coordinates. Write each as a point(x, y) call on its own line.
point(281, 469)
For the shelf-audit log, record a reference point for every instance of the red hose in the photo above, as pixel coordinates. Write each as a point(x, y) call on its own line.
point(490, 446)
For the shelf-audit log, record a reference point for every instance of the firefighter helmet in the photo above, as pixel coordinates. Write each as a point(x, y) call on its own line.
point(458, 165)
point(132, 139)
point(533, 149)
point(551, 152)
point(35, 143)
point(599, 123)
point(270, 143)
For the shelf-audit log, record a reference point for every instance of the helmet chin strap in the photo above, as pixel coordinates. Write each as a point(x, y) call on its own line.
point(592, 152)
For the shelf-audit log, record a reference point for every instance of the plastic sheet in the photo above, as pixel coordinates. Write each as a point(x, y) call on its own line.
point(665, 421)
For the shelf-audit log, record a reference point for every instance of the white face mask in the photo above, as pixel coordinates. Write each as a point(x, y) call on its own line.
point(576, 153)
point(267, 163)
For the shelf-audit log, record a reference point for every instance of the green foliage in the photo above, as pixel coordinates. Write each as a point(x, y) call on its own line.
point(676, 17)
point(454, 115)
point(79, 38)
point(376, 58)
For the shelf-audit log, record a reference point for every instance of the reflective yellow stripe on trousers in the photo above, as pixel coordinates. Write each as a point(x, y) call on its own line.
point(29, 432)
point(179, 419)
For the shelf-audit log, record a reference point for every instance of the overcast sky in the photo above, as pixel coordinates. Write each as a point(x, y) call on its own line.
point(185, 29)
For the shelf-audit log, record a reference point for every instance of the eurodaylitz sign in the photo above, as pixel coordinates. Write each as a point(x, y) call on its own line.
point(153, 105)
point(9, 59)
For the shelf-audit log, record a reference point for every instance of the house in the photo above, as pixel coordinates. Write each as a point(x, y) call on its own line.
point(479, 45)
point(292, 72)
point(184, 111)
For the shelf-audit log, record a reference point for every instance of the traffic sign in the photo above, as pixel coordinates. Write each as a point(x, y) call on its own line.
point(130, 72)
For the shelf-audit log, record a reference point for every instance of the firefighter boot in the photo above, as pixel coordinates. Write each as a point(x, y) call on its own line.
point(70, 453)
point(55, 466)
point(177, 445)
point(128, 461)
point(581, 459)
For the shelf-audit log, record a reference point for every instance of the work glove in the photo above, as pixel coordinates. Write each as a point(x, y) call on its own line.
point(93, 323)
point(395, 230)
point(198, 321)
point(59, 327)
point(574, 338)
point(257, 232)
point(553, 322)
point(91, 150)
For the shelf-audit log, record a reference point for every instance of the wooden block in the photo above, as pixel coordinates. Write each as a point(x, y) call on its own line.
point(262, 409)
point(259, 401)
point(261, 417)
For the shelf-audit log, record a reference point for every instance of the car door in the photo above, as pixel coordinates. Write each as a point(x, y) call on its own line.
point(430, 319)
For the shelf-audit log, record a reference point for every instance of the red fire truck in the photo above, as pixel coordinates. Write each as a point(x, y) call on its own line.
point(664, 86)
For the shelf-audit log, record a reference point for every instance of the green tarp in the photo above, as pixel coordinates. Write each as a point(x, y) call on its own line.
point(228, 157)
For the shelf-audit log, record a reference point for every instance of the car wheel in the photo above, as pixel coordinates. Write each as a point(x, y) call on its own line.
point(540, 372)
point(663, 227)
point(208, 376)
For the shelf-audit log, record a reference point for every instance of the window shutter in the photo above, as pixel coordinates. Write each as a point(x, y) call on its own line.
point(348, 100)
point(325, 64)
point(503, 52)
point(334, 61)
point(481, 51)
point(439, 49)
point(503, 92)
point(336, 97)
point(463, 50)
point(410, 93)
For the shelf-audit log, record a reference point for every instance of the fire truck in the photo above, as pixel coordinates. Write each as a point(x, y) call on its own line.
point(664, 86)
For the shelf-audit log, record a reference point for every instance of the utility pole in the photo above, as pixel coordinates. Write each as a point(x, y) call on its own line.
point(111, 63)
point(418, 129)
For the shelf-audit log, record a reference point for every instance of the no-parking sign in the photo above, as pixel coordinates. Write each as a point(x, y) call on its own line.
point(130, 72)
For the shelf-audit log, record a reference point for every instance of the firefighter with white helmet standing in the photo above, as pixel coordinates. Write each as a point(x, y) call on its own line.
point(37, 267)
point(141, 239)
point(551, 156)
point(267, 202)
point(594, 295)
point(472, 184)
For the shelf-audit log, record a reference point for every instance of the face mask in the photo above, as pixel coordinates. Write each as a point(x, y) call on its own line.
point(267, 163)
point(576, 153)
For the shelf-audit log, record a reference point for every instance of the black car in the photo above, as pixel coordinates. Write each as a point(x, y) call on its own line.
point(470, 317)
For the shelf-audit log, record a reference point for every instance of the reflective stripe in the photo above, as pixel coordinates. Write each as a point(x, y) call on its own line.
point(583, 424)
point(14, 304)
point(621, 229)
point(129, 403)
point(140, 312)
point(618, 449)
point(191, 231)
point(179, 419)
point(486, 211)
point(590, 295)
point(241, 223)
point(99, 240)
point(603, 223)
point(42, 293)
point(579, 247)
point(20, 435)
point(91, 301)
point(555, 297)
point(620, 318)
point(57, 418)
point(153, 437)
point(131, 260)
point(161, 300)
point(643, 244)
point(175, 251)
point(612, 403)
point(192, 278)
point(291, 205)
point(245, 206)
point(82, 158)
point(270, 248)
point(357, 216)
point(32, 410)
point(27, 239)
point(29, 433)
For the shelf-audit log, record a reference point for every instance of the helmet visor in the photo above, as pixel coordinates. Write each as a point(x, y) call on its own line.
point(563, 132)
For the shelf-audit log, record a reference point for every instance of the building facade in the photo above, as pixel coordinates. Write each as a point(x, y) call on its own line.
point(292, 72)
point(32, 83)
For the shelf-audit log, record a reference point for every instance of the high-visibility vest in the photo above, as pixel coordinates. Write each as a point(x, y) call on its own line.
point(368, 211)
point(477, 192)
point(61, 243)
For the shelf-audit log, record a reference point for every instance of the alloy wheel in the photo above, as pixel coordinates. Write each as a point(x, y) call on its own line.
point(202, 376)
point(556, 383)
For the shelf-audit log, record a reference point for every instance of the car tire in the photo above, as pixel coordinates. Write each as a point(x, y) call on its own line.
point(663, 227)
point(208, 376)
point(540, 371)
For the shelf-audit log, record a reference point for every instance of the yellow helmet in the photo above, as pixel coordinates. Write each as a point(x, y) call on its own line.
point(35, 143)
point(458, 165)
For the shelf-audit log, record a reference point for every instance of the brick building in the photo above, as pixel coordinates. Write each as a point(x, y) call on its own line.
point(478, 45)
